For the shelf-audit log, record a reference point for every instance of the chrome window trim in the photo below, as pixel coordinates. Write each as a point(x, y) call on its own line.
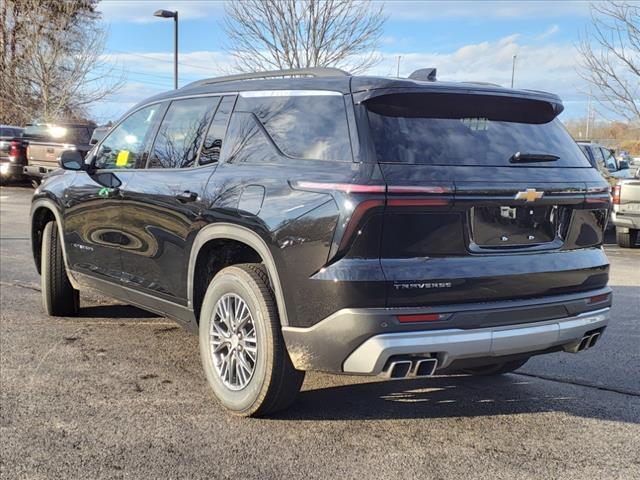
point(288, 93)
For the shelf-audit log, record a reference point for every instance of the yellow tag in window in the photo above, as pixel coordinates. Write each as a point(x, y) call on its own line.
point(122, 160)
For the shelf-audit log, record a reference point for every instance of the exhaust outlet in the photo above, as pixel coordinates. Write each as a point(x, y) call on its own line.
point(426, 367)
point(399, 369)
point(593, 339)
point(584, 343)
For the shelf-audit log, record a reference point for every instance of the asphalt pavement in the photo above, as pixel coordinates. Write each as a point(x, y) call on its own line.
point(119, 393)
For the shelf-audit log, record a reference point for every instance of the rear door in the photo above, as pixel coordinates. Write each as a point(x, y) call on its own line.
point(164, 201)
point(476, 186)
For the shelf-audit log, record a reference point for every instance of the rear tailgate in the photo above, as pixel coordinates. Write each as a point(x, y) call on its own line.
point(629, 203)
point(464, 223)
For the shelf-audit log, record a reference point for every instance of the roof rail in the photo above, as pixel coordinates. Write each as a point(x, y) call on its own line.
point(424, 74)
point(307, 72)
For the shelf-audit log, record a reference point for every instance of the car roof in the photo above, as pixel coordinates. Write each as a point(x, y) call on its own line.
point(363, 87)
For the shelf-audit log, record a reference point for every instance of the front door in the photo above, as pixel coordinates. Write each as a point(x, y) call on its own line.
point(92, 225)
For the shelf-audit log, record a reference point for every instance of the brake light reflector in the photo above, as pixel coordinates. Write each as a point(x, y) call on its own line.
point(616, 195)
point(599, 298)
point(420, 317)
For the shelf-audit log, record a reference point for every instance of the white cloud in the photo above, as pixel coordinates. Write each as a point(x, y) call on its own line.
point(142, 11)
point(550, 32)
point(430, 10)
point(550, 67)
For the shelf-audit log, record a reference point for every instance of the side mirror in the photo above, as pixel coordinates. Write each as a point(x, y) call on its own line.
point(623, 164)
point(71, 160)
point(93, 141)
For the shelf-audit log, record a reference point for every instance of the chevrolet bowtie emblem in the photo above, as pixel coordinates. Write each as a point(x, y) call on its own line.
point(529, 195)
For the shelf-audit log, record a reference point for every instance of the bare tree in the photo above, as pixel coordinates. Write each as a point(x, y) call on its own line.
point(52, 66)
point(610, 57)
point(279, 34)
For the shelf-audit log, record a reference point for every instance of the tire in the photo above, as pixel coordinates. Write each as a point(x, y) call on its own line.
point(496, 368)
point(273, 383)
point(628, 239)
point(59, 298)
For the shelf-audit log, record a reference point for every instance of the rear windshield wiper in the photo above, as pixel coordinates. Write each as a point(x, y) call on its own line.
point(520, 157)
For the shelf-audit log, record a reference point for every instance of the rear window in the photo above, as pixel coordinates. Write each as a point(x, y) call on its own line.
point(309, 126)
point(457, 129)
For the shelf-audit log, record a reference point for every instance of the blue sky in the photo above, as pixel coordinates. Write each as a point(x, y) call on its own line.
point(472, 40)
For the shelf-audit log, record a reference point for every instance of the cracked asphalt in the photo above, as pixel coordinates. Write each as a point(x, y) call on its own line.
point(119, 393)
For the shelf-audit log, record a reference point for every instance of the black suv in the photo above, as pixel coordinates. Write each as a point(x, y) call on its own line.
point(313, 220)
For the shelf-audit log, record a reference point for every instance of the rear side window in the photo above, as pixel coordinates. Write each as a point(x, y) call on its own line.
point(458, 129)
point(309, 126)
point(181, 133)
point(247, 141)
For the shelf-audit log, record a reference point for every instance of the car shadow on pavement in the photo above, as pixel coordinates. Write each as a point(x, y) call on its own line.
point(115, 311)
point(457, 396)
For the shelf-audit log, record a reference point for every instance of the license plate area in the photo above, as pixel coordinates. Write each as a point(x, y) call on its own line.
point(513, 226)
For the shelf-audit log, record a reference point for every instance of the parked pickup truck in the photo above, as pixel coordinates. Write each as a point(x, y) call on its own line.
point(46, 142)
point(626, 211)
point(12, 156)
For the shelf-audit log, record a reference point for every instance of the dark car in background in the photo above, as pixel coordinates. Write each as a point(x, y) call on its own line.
point(313, 220)
point(45, 142)
point(12, 153)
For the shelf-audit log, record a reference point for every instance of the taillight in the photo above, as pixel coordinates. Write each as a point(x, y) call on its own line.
point(616, 195)
point(339, 187)
point(14, 147)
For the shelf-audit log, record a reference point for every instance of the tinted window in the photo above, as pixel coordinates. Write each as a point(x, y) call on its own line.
point(440, 129)
point(125, 144)
point(181, 133)
point(247, 141)
point(304, 126)
point(212, 145)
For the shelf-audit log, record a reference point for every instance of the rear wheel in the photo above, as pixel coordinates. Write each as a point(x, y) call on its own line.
point(496, 368)
point(241, 345)
point(627, 239)
point(59, 298)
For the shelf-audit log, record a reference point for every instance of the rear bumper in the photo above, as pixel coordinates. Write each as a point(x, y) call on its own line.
point(38, 171)
point(625, 221)
point(362, 341)
point(449, 346)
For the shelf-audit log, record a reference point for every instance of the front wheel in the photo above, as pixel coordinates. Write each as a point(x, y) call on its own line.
point(241, 345)
point(59, 298)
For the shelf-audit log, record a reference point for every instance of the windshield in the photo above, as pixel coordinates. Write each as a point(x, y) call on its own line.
point(456, 129)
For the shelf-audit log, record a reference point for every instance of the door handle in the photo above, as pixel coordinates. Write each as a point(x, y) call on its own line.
point(187, 196)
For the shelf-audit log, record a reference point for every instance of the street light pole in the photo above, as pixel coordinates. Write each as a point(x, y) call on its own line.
point(174, 15)
point(513, 70)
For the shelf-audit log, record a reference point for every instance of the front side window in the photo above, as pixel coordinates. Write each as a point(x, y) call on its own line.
point(125, 144)
point(306, 126)
point(181, 133)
